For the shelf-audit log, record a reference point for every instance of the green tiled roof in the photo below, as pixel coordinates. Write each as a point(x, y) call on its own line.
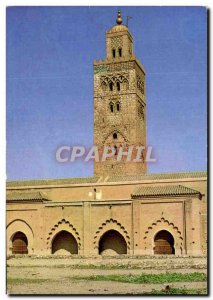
point(53, 181)
point(29, 196)
point(157, 176)
point(172, 190)
point(115, 178)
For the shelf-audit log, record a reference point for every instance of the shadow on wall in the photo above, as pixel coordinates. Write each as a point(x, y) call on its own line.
point(64, 243)
point(112, 243)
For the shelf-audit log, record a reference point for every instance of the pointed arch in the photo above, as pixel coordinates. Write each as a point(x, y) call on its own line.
point(64, 243)
point(19, 225)
point(113, 78)
point(108, 225)
point(117, 131)
point(112, 243)
point(60, 226)
point(163, 224)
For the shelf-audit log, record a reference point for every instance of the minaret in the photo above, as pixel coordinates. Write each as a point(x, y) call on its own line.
point(119, 103)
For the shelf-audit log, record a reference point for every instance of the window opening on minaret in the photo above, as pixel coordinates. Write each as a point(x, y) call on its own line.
point(115, 136)
point(111, 107)
point(118, 106)
point(116, 150)
point(120, 52)
point(118, 86)
point(111, 86)
point(113, 53)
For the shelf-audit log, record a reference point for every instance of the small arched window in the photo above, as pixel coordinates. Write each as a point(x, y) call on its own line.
point(115, 136)
point(120, 52)
point(118, 106)
point(111, 107)
point(116, 150)
point(113, 53)
point(118, 86)
point(111, 86)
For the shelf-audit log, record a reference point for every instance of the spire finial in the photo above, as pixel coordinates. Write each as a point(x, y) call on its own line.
point(119, 19)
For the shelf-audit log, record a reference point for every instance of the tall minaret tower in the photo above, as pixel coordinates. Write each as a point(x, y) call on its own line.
point(119, 103)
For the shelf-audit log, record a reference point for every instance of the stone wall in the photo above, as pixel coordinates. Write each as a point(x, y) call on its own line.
point(119, 104)
point(87, 218)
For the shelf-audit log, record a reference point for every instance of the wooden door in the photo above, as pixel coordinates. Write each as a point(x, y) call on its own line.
point(164, 243)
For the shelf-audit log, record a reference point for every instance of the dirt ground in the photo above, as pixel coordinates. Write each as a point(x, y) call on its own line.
point(54, 275)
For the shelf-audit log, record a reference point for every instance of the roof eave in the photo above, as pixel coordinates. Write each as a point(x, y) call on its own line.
point(140, 197)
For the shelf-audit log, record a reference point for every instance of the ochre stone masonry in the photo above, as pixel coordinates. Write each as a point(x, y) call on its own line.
point(97, 213)
point(119, 102)
point(121, 210)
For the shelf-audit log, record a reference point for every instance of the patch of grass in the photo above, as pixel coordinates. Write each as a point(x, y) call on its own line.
point(172, 291)
point(86, 267)
point(100, 267)
point(107, 267)
point(177, 291)
point(16, 281)
point(148, 278)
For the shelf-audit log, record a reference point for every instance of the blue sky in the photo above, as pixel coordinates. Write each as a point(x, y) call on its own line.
point(50, 53)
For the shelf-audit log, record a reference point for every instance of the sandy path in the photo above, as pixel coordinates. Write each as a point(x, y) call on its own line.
point(95, 287)
point(58, 273)
point(144, 262)
point(55, 273)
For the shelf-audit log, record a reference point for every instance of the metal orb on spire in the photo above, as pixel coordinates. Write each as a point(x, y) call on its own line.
point(119, 19)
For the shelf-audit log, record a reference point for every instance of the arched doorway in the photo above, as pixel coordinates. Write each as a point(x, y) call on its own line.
point(164, 243)
point(19, 243)
point(64, 243)
point(112, 243)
